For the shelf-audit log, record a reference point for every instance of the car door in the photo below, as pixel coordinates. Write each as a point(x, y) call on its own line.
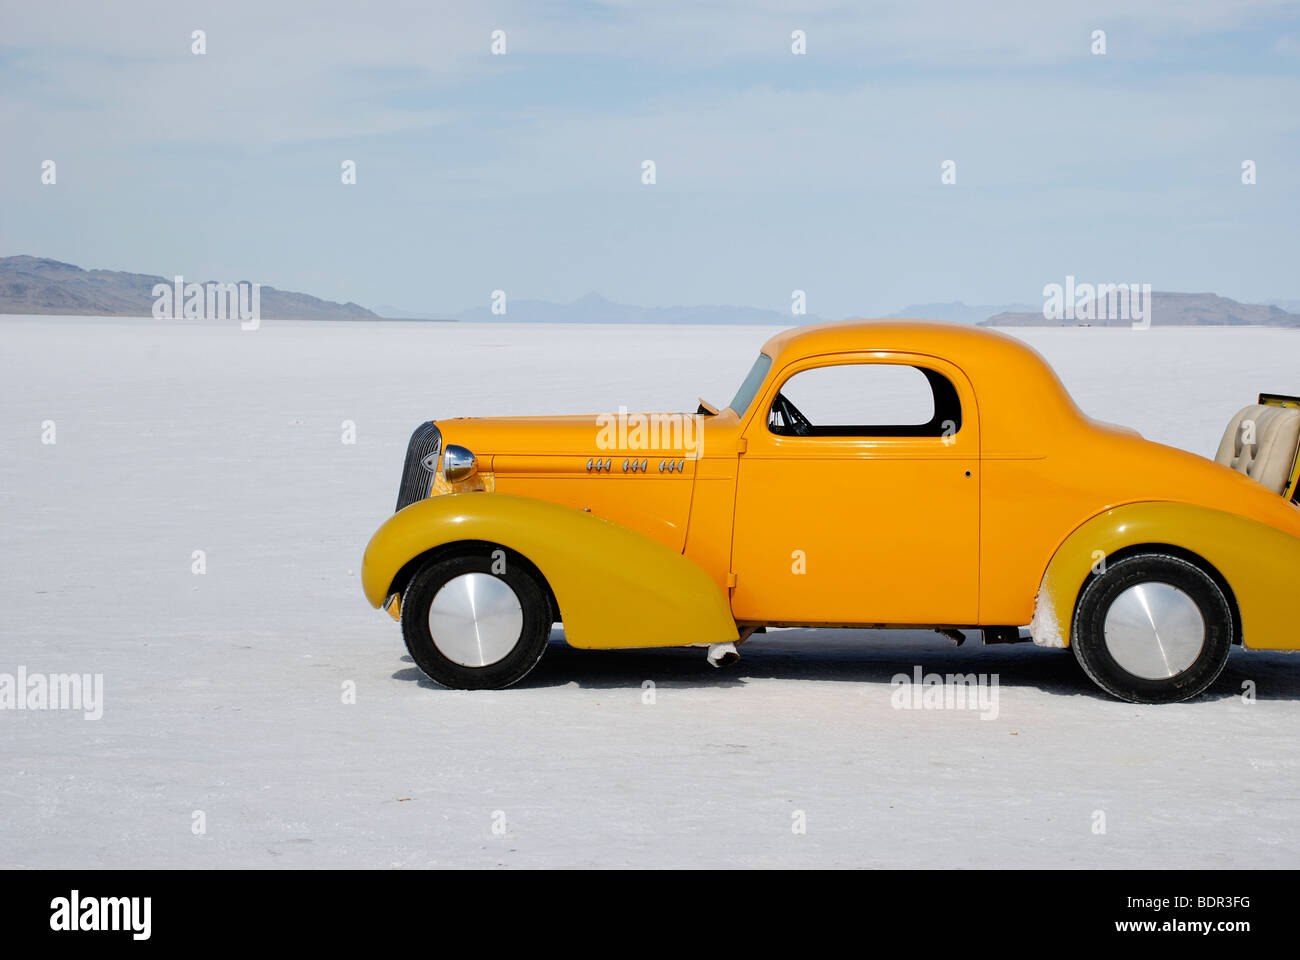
point(870, 514)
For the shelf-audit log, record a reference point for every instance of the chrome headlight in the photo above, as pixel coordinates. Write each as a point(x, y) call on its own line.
point(458, 463)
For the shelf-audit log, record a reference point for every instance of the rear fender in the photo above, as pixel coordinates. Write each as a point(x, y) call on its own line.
point(1260, 564)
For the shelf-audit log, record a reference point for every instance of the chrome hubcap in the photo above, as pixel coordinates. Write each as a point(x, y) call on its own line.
point(475, 619)
point(1154, 631)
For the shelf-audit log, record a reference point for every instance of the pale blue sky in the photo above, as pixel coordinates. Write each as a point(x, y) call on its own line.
point(775, 172)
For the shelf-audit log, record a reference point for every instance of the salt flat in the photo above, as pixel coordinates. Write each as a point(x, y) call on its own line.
point(223, 692)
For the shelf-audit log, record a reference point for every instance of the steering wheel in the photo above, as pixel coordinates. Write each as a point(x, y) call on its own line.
point(795, 422)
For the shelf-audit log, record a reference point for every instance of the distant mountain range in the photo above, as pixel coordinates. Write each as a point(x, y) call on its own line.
point(958, 312)
point(42, 286)
point(593, 308)
point(37, 285)
point(1168, 310)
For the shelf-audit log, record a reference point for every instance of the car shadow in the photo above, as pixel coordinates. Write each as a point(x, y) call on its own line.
point(867, 657)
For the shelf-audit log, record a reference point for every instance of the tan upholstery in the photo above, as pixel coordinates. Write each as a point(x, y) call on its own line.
point(1275, 432)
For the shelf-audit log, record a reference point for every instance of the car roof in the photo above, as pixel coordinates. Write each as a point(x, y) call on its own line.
point(1021, 400)
point(951, 341)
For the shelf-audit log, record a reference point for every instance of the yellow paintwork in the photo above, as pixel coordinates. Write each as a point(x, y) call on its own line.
point(614, 587)
point(483, 481)
point(899, 531)
point(1259, 563)
point(546, 458)
point(816, 552)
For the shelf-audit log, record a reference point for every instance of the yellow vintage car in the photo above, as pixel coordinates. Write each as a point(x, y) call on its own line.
point(866, 474)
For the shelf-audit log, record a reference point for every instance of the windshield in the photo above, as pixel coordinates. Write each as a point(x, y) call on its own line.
point(757, 374)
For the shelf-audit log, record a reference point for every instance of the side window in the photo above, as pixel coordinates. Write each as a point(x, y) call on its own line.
point(866, 400)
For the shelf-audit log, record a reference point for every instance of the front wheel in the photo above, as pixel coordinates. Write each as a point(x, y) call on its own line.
point(1152, 628)
point(474, 622)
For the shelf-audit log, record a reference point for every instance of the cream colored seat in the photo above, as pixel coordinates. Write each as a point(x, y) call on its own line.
point(1261, 442)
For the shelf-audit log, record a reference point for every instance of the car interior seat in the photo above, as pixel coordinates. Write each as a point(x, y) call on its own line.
point(1262, 442)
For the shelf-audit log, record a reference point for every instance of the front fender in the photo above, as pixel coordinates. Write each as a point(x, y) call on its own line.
point(1260, 563)
point(614, 586)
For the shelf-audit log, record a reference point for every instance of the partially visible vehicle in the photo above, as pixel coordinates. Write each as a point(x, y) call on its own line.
point(866, 474)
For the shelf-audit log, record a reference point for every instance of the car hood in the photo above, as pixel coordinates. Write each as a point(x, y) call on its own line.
point(649, 434)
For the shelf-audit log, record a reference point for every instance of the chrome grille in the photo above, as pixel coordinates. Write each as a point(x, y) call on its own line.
point(421, 463)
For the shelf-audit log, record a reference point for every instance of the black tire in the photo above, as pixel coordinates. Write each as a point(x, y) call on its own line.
point(510, 669)
point(1089, 641)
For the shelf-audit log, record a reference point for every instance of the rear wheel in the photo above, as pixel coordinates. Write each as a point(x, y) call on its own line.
point(475, 622)
point(1153, 628)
